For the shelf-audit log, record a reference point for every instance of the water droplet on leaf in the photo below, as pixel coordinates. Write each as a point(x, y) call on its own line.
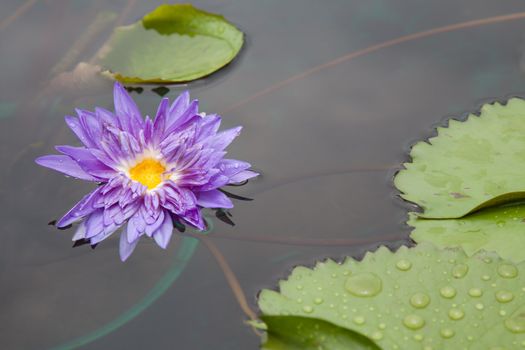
point(516, 322)
point(456, 314)
point(413, 321)
point(459, 271)
point(403, 265)
point(507, 271)
point(359, 320)
point(447, 333)
point(308, 309)
point(364, 285)
point(475, 292)
point(419, 300)
point(377, 335)
point(447, 292)
point(504, 296)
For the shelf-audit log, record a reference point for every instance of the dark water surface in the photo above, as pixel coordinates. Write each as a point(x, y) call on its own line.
point(327, 146)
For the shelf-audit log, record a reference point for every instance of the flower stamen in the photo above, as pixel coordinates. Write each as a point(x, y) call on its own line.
point(148, 172)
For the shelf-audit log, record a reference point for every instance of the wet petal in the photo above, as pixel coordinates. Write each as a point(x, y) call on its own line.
point(209, 126)
point(163, 234)
point(159, 124)
point(65, 165)
point(85, 207)
point(154, 226)
point(126, 247)
point(179, 106)
point(223, 139)
point(214, 199)
point(176, 123)
point(194, 218)
point(126, 110)
point(243, 176)
point(74, 125)
point(94, 224)
point(87, 161)
point(80, 232)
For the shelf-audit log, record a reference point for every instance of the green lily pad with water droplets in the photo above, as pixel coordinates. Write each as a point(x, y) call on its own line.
point(303, 333)
point(469, 165)
point(499, 229)
point(415, 298)
point(174, 43)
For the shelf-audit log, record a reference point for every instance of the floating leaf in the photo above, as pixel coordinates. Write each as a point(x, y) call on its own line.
point(416, 298)
point(302, 333)
point(499, 229)
point(469, 165)
point(174, 43)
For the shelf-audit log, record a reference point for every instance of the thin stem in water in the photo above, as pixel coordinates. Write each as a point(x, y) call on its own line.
point(230, 277)
point(377, 47)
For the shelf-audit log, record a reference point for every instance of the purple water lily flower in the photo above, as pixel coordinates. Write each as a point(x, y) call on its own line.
point(153, 173)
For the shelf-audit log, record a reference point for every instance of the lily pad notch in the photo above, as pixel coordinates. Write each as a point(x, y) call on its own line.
point(469, 182)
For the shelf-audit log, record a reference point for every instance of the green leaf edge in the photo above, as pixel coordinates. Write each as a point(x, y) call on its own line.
point(402, 178)
point(305, 333)
point(236, 46)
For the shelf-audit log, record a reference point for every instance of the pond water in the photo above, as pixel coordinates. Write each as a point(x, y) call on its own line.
point(327, 145)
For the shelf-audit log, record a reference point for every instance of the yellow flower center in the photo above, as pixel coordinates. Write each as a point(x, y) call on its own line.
point(148, 172)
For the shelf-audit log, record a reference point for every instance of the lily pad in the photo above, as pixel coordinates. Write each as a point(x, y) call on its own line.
point(174, 43)
point(469, 165)
point(302, 333)
point(500, 229)
point(415, 298)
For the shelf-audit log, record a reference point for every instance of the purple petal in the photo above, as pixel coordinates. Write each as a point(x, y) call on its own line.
point(136, 227)
point(214, 199)
point(195, 177)
point(178, 200)
point(179, 122)
point(146, 135)
point(106, 117)
point(80, 232)
point(94, 224)
point(235, 170)
point(126, 247)
point(108, 231)
point(74, 125)
point(243, 176)
point(105, 158)
point(126, 110)
point(159, 124)
point(230, 167)
point(163, 234)
point(87, 161)
point(194, 218)
point(221, 140)
point(179, 106)
point(90, 125)
point(209, 126)
point(215, 181)
point(154, 226)
point(64, 164)
point(85, 207)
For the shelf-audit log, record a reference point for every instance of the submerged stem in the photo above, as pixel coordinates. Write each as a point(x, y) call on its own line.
point(18, 12)
point(377, 47)
point(231, 278)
